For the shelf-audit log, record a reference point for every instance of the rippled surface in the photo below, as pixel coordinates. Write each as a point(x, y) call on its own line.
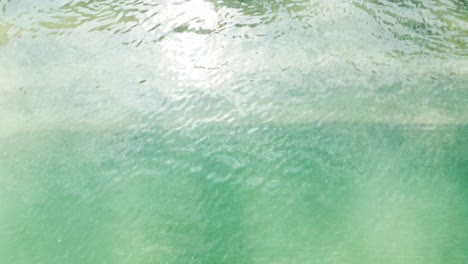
point(239, 131)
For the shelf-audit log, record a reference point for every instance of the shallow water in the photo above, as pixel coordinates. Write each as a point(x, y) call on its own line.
point(234, 131)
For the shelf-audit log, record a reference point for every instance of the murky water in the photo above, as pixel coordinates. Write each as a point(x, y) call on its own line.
point(239, 131)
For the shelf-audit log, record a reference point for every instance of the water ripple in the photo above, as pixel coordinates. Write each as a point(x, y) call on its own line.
point(437, 27)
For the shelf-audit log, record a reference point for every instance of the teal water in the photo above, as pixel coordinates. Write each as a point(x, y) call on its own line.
point(234, 131)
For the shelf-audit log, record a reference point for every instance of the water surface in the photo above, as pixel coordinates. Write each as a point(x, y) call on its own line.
point(234, 131)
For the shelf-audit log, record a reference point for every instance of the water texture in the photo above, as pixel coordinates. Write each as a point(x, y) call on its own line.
point(239, 131)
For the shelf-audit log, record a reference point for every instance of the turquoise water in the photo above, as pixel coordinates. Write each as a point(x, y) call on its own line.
point(234, 131)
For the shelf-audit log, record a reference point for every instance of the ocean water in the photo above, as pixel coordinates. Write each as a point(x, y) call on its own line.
point(239, 131)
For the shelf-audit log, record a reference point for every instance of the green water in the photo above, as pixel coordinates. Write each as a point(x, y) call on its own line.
point(234, 131)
